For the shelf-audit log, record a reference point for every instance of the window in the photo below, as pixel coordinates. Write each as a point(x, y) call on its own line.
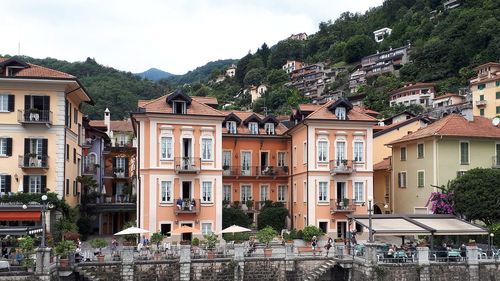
point(206, 228)
point(75, 115)
point(497, 94)
point(246, 193)
point(358, 151)
point(5, 146)
point(340, 151)
point(165, 229)
point(166, 148)
point(67, 152)
point(67, 121)
point(460, 173)
point(322, 151)
point(340, 113)
point(166, 192)
point(35, 184)
point(304, 152)
point(481, 97)
point(120, 163)
point(359, 192)
point(464, 153)
point(420, 150)
point(403, 153)
point(304, 194)
point(231, 127)
point(75, 188)
point(226, 193)
point(294, 158)
point(74, 155)
point(67, 186)
point(322, 192)
point(5, 181)
point(246, 163)
point(264, 191)
point(402, 179)
point(498, 110)
point(179, 107)
point(254, 128)
point(281, 193)
point(497, 83)
point(4, 103)
point(226, 159)
point(294, 195)
point(206, 148)
point(481, 86)
point(269, 127)
point(420, 178)
point(281, 159)
point(481, 112)
point(206, 192)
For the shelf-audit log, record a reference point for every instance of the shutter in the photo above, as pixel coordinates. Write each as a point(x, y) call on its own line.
point(399, 179)
point(113, 192)
point(9, 147)
point(12, 99)
point(44, 184)
point(27, 102)
point(44, 152)
point(46, 103)
point(26, 184)
point(26, 151)
point(69, 115)
point(126, 167)
point(8, 182)
point(114, 163)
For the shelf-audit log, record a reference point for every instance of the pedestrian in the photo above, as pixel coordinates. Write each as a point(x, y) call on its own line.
point(314, 244)
point(328, 245)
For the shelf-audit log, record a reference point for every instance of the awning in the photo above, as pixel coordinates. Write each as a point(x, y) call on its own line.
point(399, 225)
point(20, 230)
point(20, 215)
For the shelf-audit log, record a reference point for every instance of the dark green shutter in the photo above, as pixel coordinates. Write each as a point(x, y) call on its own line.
point(26, 151)
point(9, 147)
point(113, 192)
point(26, 184)
point(126, 167)
point(44, 152)
point(114, 163)
point(8, 182)
point(44, 184)
point(12, 99)
point(27, 102)
point(46, 102)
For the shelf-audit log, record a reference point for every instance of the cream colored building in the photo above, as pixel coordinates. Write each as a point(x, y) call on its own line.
point(485, 90)
point(438, 153)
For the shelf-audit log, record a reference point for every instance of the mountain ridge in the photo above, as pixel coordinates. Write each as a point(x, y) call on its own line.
point(154, 74)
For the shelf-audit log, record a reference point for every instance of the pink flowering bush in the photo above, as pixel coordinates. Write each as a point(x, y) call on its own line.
point(442, 203)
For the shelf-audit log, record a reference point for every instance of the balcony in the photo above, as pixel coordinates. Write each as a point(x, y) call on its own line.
point(90, 169)
point(342, 167)
point(34, 161)
point(481, 103)
point(255, 171)
point(342, 206)
point(34, 116)
point(113, 172)
point(251, 206)
point(119, 203)
point(187, 165)
point(495, 162)
point(123, 144)
point(187, 207)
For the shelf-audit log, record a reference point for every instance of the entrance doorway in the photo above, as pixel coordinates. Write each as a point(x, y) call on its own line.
point(341, 229)
point(186, 153)
point(341, 191)
point(187, 236)
point(323, 225)
point(186, 190)
point(264, 160)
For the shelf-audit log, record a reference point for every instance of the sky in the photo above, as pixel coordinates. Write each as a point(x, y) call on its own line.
point(172, 35)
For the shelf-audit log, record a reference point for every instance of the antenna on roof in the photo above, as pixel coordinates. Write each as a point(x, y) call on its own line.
point(19, 48)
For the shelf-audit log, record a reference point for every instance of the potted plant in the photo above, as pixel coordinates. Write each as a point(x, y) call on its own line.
point(63, 249)
point(156, 239)
point(130, 239)
point(265, 236)
point(249, 204)
point(99, 243)
point(210, 242)
point(195, 242)
point(27, 245)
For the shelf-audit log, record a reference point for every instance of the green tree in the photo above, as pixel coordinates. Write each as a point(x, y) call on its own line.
point(273, 215)
point(277, 77)
point(476, 195)
point(357, 47)
point(255, 77)
point(236, 216)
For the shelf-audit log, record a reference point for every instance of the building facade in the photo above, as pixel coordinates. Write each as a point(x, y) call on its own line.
point(385, 62)
point(485, 90)
point(418, 93)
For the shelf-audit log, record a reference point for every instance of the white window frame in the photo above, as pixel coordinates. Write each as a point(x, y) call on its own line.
point(4, 103)
point(231, 127)
point(357, 187)
point(253, 127)
point(304, 152)
point(423, 150)
point(227, 192)
point(3, 146)
point(207, 194)
point(207, 150)
point(304, 192)
point(294, 191)
point(460, 152)
point(264, 187)
point(35, 184)
point(166, 148)
point(322, 147)
point(358, 156)
point(400, 179)
point(281, 197)
point(418, 178)
point(226, 161)
point(166, 188)
point(184, 107)
point(269, 128)
point(322, 192)
point(341, 113)
point(247, 172)
point(248, 189)
point(401, 153)
point(3, 184)
point(281, 159)
point(338, 155)
point(204, 229)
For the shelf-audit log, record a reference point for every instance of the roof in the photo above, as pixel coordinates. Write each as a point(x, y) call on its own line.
point(412, 86)
point(369, 111)
point(115, 125)
point(396, 115)
point(308, 107)
point(159, 105)
point(207, 100)
point(323, 113)
point(497, 64)
point(448, 95)
point(38, 71)
point(383, 165)
point(242, 129)
point(455, 125)
point(381, 130)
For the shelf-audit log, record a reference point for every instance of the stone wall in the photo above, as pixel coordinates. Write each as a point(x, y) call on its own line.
point(489, 271)
point(449, 271)
point(158, 270)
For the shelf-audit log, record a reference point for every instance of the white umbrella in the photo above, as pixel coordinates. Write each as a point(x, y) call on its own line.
point(132, 230)
point(235, 229)
point(103, 191)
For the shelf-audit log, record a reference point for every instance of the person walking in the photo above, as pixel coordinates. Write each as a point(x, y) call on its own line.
point(328, 245)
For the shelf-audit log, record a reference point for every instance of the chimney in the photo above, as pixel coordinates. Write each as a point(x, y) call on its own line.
point(467, 114)
point(107, 120)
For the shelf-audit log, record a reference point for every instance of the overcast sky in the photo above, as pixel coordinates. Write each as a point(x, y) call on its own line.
point(173, 35)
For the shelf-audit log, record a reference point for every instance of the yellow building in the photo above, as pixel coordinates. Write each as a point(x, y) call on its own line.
point(40, 128)
point(438, 153)
point(485, 90)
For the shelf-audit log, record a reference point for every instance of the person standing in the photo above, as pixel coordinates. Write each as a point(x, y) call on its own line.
point(328, 245)
point(314, 244)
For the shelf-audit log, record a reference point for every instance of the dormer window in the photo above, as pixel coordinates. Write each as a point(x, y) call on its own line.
point(269, 128)
point(231, 127)
point(179, 107)
point(254, 128)
point(340, 112)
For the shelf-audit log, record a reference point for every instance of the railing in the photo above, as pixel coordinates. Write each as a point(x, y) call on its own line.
point(251, 205)
point(187, 164)
point(187, 207)
point(265, 171)
point(400, 256)
point(344, 205)
point(34, 161)
point(115, 199)
point(125, 144)
point(90, 169)
point(111, 172)
point(495, 162)
point(481, 103)
point(34, 116)
point(447, 256)
point(342, 166)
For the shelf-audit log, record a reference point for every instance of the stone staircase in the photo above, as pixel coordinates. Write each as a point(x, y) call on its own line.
point(87, 274)
point(320, 270)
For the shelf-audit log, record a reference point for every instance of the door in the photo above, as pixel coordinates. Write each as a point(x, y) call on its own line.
point(264, 159)
point(246, 193)
point(187, 236)
point(341, 193)
point(245, 163)
point(226, 162)
point(340, 155)
point(341, 229)
point(186, 153)
point(186, 190)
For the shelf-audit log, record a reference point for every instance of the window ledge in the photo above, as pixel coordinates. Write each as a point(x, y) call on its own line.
point(4, 156)
point(166, 204)
point(323, 203)
point(207, 204)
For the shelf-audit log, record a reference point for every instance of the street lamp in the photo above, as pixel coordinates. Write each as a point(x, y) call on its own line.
point(44, 206)
point(490, 242)
point(370, 210)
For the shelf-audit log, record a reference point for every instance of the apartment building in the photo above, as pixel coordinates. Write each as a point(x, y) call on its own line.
point(356, 79)
point(292, 65)
point(385, 62)
point(311, 79)
point(299, 36)
point(485, 88)
point(331, 166)
point(414, 93)
point(40, 131)
point(231, 71)
point(380, 34)
point(179, 165)
point(438, 153)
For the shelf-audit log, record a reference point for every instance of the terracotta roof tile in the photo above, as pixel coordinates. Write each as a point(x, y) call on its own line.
point(309, 107)
point(447, 95)
point(40, 71)
point(383, 165)
point(115, 125)
point(159, 105)
point(455, 125)
point(355, 114)
point(206, 100)
point(243, 130)
point(412, 86)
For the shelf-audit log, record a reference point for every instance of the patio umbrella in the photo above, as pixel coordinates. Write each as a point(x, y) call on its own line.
point(103, 191)
point(235, 229)
point(132, 230)
point(184, 229)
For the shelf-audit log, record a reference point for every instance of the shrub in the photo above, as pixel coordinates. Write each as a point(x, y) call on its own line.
point(236, 237)
point(71, 235)
point(156, 238)
point(310, 231)
point(210, 240)
point(84, 227)
point(195, 241)
point(64, 247)
point(266, 234)
point(232, 216)
point(300, 234)
point(27, 245)
point(274, 215)
point(98, 243)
